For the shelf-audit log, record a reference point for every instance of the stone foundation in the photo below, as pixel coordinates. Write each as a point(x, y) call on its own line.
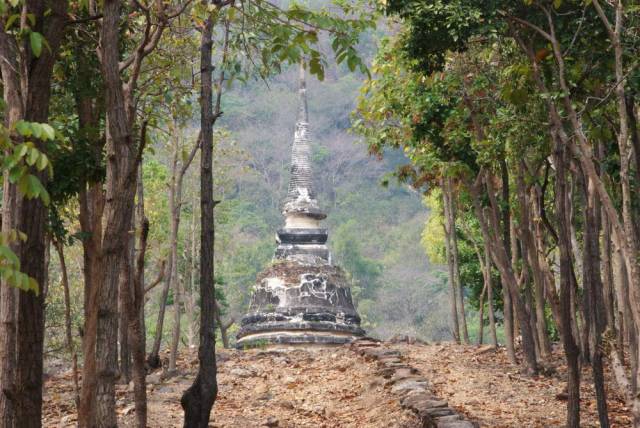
point(298, 303)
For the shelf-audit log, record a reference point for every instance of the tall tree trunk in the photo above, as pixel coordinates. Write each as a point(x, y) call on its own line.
point(455, 326)
point(126, 281)
point(91, 209)
point(606, 268)
point(177, 183)
point(198, 400)
point(26, 81)
point(135, 308)
point(509, 327)
point(177, 292)
point(489, 281)
point(594, 300)
point(629, 330)
point(489, 225)
point(139, 273)
point(540, 250)
point(456, 264)
point(124, 368)
point(67, 321)
point(481, 314)
point(190, 301)
point(8, 298)
point(123, 157)
point(566, 284)
point(174, 207)
point(153, 359)
point(531, 255)
point(623, 231)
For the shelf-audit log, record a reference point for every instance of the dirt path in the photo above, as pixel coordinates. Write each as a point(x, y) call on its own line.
point(296, 388)
point(485, 387)
point(337, 388)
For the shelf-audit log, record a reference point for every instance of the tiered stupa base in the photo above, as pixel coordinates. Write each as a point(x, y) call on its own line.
point(302, 301)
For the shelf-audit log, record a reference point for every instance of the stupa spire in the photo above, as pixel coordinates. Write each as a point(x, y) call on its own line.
point(302, 298)
point(301, 195)
point(303, 109)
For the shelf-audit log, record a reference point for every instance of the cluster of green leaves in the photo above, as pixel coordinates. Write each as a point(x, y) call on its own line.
point(25, 156)
point(19, 161)
point(23, 29)
point(265, 36)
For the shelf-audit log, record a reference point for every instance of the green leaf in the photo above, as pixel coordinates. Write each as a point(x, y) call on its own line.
point(36, 41)
point(49, 132)
point(23, 185)
point(33, 156)
point(42, 162)
point(8, 256)
point(11, 20)
point(23, 128)
point(16, 173)
point(21, 150)
point(37, 129)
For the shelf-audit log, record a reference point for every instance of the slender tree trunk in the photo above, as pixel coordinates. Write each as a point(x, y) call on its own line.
point(190, 298)
point(139, 273)
point(566, 281)
point(455, 327)
point(26, 82)
point(489, 281)
point(481, 315)
point(8, 298)
point(198, 400)
point(135, 307)
point(123, 322)
point(629, 330)
point(123, 157)
point(67, 321)
point(509, 322)
point(154, 356)
point(607, 275)
point(456, 265)
point(489, 225)
point(13, 112)
point(594, 300)
point(624, 231)
point(174, 207)
point(91, 209)
point(223, 326)
point(531, 255)
point(548, 280)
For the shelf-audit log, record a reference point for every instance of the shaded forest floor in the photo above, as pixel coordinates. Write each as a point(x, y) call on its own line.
point(336, 388)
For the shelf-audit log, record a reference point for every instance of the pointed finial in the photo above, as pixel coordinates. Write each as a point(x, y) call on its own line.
point(303, 112)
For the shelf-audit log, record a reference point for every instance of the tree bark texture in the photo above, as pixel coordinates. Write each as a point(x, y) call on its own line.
point(455, 326)
point(26, 81)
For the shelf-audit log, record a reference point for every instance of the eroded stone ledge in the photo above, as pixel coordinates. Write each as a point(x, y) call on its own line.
point(410, 387)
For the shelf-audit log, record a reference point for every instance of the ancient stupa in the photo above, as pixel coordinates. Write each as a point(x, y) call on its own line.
point(302, 298)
